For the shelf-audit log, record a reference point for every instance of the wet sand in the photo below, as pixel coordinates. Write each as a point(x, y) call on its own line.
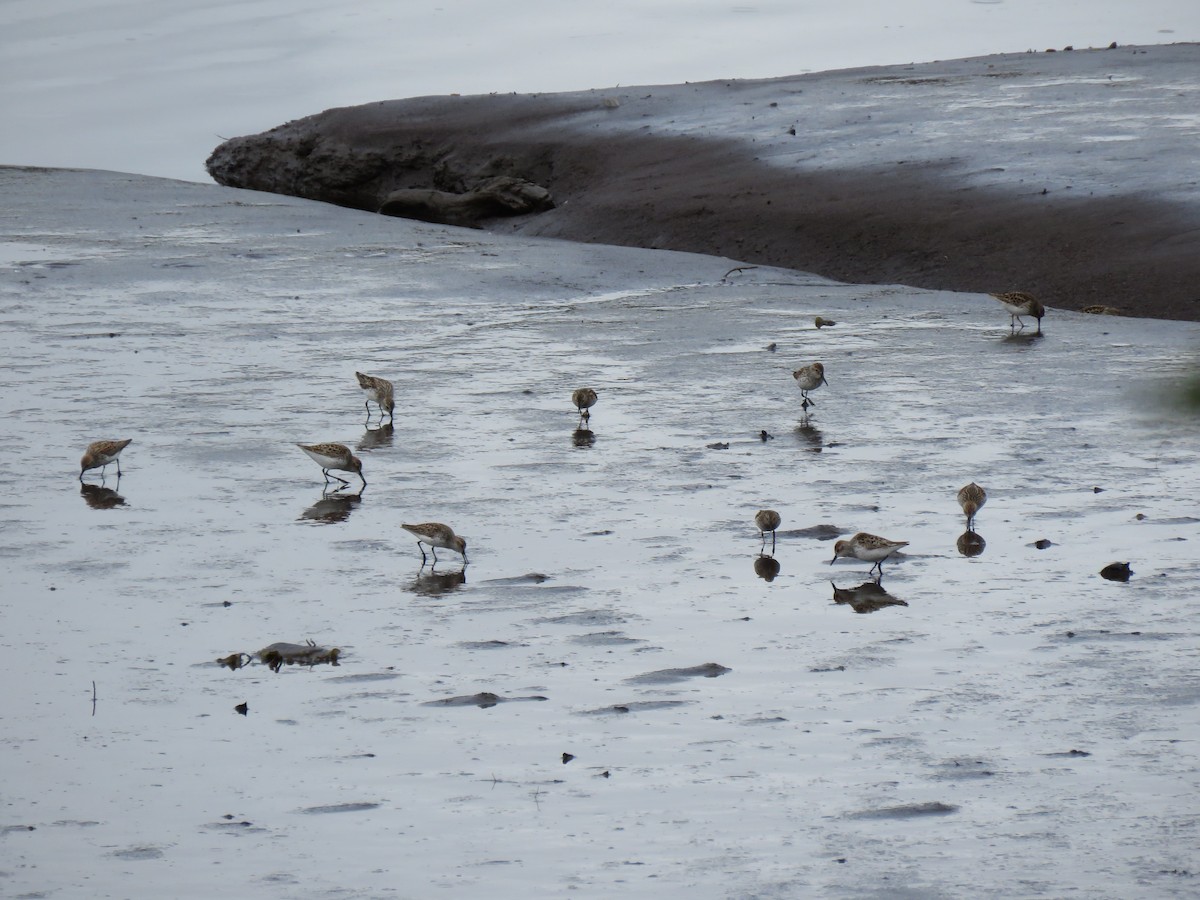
point(1007, 724)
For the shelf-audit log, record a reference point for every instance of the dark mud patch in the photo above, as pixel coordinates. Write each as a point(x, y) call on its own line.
point(908, 811)
point(484, 700)
point(670, 676)
point(606, 639)
point(621, 709)
point(339, 808)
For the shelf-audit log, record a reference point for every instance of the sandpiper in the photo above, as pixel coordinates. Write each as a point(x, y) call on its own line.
point(435, 534)
point(868, 548)
point(334, 456)
point(100, 453)
point(1019, 303)
point(971, 499)
point(809, 378)
point(584, 399)
point(767, 520)
point(380, 390)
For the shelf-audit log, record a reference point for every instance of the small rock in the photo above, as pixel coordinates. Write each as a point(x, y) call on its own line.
point(764, 437)
point(822, 322)
point(717, 446)
point(1043, 544)
point(772, 347)
point(1097, 490)
point(1116, 572)
point(567, 757)
point(242, 708)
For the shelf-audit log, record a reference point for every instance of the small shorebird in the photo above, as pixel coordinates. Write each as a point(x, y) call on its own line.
point(435, 534)
point(971, 499)
point(809, 378)
point(767, 520)
point(100, 453)
point(1019, 303)
point(334, 456)
point(380, 390)
point(584, 399)
point(868, 548)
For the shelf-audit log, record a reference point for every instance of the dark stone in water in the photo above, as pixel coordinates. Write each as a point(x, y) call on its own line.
point(1116, 572)
point(1043, 544)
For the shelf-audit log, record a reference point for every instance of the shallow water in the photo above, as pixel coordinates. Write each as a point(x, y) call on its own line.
point(1007, 724)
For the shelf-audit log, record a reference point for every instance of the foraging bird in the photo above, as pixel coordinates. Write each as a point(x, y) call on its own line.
point(100, 453)
point(584, 399)
point(334, 456)
point(380, 390)
point(809, 378)
point(435, 534)
point(971, 499)
point(1019, 303)
point(868, 548)
point(767, 520)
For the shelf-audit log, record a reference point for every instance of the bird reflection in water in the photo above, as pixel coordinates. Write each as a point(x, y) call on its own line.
point(1022, 338)
point(809, 435)
point(431, 583)
point(333, 507)
point(766, 567)
point(99, 497)
point(583, 437)
point(378, 437)
point(868, 597)
point(970, 543)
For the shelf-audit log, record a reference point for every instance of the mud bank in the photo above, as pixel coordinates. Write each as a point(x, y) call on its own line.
point(1070, 174)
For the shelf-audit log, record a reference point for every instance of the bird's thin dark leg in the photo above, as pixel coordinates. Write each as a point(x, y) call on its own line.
point(433, 550)
point(763, 546)
point(772, 543)
point(119, 459)
point(422, 549)
point(364, 481)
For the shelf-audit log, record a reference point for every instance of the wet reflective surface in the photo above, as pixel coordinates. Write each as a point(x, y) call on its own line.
point(608, 576)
